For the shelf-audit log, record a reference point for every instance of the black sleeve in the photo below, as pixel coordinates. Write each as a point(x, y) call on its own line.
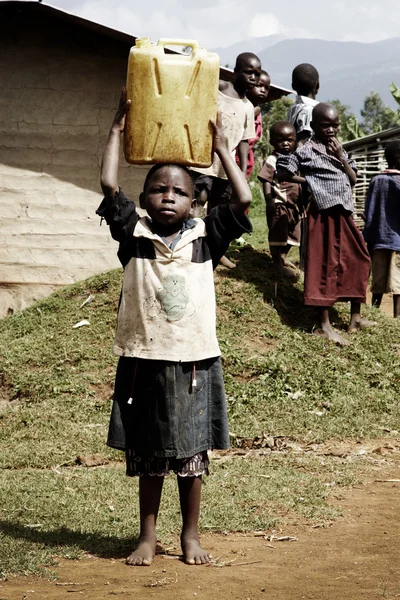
point(223, 226)
point(120, 215)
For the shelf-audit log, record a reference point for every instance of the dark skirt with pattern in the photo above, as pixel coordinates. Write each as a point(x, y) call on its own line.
point(160, 418)
point(337, 263)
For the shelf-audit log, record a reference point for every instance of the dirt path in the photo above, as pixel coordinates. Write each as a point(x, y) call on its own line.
point(356, 558)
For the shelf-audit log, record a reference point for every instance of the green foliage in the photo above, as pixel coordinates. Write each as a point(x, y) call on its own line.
point(395, 91)
point(376, 115)
point(349, 128)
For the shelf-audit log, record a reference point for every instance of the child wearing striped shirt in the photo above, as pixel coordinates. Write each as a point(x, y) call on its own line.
point(337, 262)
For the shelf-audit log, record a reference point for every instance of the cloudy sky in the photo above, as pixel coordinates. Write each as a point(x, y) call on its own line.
point(215, 23)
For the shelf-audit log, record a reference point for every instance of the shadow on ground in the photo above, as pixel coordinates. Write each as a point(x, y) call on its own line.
point(284, 295)
point(92, 543)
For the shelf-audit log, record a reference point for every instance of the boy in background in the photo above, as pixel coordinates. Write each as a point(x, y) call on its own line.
point(257, 95)
point(337, 263)
point(283, 214)
point(305, 82)
point(237, 113)
point(382, 229)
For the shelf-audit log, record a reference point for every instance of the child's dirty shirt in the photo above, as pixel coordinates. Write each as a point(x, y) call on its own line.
point(237, 116)
point(167, 306)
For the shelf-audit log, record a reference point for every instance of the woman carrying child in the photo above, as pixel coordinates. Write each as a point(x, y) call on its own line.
point(169, 404)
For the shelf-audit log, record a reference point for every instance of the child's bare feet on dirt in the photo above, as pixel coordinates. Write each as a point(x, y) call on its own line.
point(227, 263)
point(144, 552)
point(193, 553)
point(328, 333)
point(359, 323)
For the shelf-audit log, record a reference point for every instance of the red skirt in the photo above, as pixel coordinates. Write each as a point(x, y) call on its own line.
point(337, 263)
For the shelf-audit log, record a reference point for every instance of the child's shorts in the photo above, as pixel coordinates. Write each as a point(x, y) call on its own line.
point(284, 226)
point(385, 272)
point(218, 190)
point(161, 466)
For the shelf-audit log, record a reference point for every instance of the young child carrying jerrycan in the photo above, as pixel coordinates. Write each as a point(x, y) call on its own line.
point(169, 403)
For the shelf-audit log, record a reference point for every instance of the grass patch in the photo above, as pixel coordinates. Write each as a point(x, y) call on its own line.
point(80, 510)
point(280, 380)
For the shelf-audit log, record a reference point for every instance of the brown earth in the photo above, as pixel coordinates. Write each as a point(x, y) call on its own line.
point(357, 558)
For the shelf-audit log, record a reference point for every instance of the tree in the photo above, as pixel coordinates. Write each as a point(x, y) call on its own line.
point(349, 128)
point(376, 115)
point(395, 91)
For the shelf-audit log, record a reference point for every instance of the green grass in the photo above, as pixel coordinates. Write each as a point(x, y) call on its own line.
point(59, 381)
point(48, 514)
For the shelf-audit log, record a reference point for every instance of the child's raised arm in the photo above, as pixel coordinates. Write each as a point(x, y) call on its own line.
point(109, 163)
point(241, 194)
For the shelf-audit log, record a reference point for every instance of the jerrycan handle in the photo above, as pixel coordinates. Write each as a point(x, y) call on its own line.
point(174, 42)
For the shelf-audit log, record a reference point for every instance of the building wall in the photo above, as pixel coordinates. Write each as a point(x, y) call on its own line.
point(59, 87)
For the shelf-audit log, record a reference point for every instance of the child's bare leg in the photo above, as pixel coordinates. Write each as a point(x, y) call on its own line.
point(376, 300)
point(327, 331)
point(396, 305)
point(278, 262)
point(356, 321)
point(150, 489)
point(284, 252)
point(190, 495)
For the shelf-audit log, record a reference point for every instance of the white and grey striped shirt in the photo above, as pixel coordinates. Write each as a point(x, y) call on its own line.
point(328, 182)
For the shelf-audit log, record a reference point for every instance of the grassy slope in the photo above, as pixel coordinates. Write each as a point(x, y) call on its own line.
point(277, 377)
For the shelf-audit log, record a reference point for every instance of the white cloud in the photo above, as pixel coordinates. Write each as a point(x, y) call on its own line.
point(263, 24)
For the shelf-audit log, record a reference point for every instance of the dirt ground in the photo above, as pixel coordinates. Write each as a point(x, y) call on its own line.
point(357, 557)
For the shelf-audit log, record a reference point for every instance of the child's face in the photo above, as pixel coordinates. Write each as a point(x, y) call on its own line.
point(259, 93)
point(326, 126)
point(249, 73)
point(168, 198)
point(284, 140)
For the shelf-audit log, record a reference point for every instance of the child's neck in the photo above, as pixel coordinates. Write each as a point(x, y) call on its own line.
point(167, 231)
point(233, 91)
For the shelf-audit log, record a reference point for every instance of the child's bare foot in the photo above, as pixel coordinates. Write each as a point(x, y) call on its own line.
point(288, 273)
point(193, 553)
point(227, 263)
point(144, 552)
point(358, 323)
point(328, 333)
point(288, 263)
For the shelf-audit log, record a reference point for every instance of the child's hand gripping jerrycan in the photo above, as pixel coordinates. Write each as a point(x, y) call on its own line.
point(173, 97)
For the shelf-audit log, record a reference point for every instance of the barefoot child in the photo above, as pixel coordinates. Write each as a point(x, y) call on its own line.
point(257, 95)
point(337, 263)
point(382, 229)
point(283, 213)
point(237, 114)
point(169, 403)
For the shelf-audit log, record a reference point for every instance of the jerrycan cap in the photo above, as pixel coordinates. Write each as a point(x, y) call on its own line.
point(144, 42)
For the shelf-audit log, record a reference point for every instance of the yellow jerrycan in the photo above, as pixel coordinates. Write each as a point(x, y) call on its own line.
point(173, 97)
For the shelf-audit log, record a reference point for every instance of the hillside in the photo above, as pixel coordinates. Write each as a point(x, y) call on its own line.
point(292, 397)
point(348, 70)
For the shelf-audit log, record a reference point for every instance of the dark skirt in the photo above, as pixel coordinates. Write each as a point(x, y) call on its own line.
point(158, 412)
point(337, 263)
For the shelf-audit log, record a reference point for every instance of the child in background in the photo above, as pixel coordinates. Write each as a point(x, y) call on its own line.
point(337, 263)
point(237, 112)
point(169, 403)
point(281, 198)
point(305, 81)
point(257, 95)
point(382, 229)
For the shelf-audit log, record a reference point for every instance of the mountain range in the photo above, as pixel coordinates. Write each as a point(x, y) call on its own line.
point(348, 70)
